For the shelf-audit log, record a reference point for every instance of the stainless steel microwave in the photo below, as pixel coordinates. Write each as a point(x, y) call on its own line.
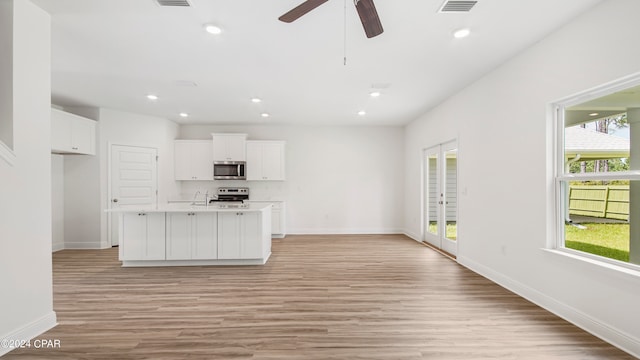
point(229, 170)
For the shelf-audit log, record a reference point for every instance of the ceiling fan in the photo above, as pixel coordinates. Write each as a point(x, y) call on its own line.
point(366, 11)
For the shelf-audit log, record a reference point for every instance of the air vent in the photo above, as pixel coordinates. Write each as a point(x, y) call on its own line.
point(457, 6)
point(173, 2)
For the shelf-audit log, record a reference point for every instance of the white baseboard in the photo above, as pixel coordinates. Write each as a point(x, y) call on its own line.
point(57, 247)
point(605, 332)
point(342, 231)
point(84, 246)
point(30, 331)
point(411, 235)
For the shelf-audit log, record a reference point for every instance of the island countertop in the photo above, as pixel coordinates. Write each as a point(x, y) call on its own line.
point(188, 207)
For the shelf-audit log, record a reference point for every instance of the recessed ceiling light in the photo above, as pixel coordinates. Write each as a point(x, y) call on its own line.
point(265, 115)
point(374, 93)
point(152, 97)
point(362, 113)
point(462, 33)
point(256, 100)
point(594, 114)
point(184, 115)
point(212, 29)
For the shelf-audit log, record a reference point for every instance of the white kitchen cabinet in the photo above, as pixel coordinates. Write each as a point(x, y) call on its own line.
point(72, 134)
point(192, 235)
point(193, 160)
point(278, 216)
point(265, 160)
point(229, 147)
point(142, 236)
point(242, 235)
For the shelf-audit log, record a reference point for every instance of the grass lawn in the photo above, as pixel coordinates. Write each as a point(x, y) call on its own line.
point(452, 230)
point(608, 240)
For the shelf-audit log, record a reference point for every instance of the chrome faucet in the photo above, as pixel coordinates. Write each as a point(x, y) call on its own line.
point(195, 196)
point(206, 199)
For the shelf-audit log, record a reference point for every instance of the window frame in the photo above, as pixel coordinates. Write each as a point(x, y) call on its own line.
point(560, 177)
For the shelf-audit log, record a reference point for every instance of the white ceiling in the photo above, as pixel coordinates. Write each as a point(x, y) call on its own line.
point(111, 53)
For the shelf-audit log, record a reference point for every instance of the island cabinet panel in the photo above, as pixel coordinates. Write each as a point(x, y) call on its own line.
point(205, 237)
point(192, 235)
point(240, 235)
point(265, 160)
point(278, 216)
point(193, 160)
point(142, 236)
point(229, 147)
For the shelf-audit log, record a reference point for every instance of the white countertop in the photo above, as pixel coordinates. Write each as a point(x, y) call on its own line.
point(188, 207)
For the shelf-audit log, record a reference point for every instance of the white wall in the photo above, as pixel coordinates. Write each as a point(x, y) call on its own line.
point(6, 73)
point(505, 166)
point(339, 179)
point(57, 201)
point(26, 301)
point(85, 177)
point(123, 128)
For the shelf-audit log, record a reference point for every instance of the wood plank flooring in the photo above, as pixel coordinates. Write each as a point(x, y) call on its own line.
point(318, 297)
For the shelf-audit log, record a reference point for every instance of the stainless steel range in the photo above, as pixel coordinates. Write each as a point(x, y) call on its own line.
point(231, 195)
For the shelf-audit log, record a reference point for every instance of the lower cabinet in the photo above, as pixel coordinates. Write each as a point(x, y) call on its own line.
point(240, 235)
point(192, 235)
point(142, 236)
point(176, 238)
point(278, 217)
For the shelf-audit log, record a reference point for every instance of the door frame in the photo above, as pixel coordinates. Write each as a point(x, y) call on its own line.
point(442, 242)
point(111, 215)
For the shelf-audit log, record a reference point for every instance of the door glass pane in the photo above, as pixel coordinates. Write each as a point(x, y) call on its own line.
point(432, 193)
point(451, 193)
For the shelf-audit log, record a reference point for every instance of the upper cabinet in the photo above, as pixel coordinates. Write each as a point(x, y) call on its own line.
point(193, 160)
point(72, 134)
point(229, 147)
point(265, 160)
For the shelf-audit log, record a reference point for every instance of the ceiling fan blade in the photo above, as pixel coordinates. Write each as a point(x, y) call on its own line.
point(300, 10)
point(369, 17)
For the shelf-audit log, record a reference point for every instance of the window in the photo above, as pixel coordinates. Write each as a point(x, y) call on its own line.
point(598, 173)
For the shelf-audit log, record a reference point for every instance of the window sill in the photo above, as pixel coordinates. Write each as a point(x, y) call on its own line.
point(627, 269)
point(7, 154)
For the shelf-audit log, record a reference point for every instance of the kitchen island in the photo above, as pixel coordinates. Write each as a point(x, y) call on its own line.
point(194, 235)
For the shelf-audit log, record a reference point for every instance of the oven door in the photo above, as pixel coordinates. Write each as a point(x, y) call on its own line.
point(229, 170)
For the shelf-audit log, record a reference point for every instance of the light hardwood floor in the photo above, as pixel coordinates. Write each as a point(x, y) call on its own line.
point(318, 297)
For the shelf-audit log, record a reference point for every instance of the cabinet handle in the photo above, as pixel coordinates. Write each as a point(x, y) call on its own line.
point(74, 148)
point(142, 214)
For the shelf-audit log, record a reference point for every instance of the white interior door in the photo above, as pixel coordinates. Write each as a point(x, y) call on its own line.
point(440, 211)
point(133, 181)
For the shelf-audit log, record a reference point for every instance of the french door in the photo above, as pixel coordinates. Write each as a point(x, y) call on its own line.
point(440, 181)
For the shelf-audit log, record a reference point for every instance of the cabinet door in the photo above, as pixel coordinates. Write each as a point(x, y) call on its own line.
point(60, 131)
point(82, 136)
point(228, 235)
point(204, 237)
point(182, 160)
point(236, 147)
point(179, 236)
point(143, 236)
point(202, 160)
point(254, 161)
point(220, 152)
point(229, 147)
point(276, 221)
point(250, 235)
point(273, 161)
point(72, 133)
